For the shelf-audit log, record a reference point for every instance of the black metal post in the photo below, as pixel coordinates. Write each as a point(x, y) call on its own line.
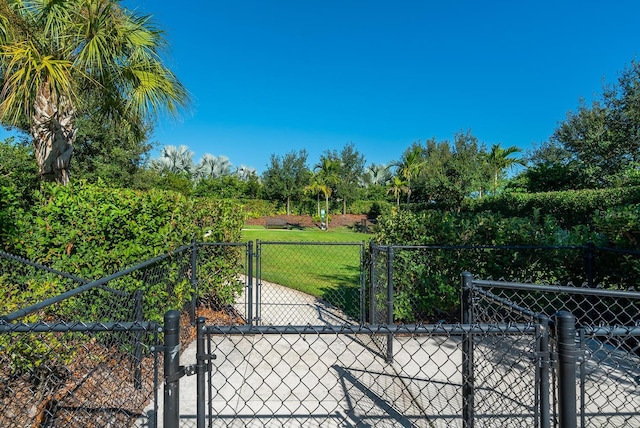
point(362, 318)
point(468, 403)
point(372, 283)
point(390, 303)
point(201, 369)
point(589, 263)
point(171, 369)
point(194, 281)
point(258, 296)
point(567, 358)
point(249, 289)
point(542, 371)
point(137, 352)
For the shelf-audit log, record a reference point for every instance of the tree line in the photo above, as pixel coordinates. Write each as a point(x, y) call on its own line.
point(85, 81)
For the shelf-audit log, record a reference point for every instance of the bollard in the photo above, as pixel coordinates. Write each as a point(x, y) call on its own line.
point(567, 359)
point(171, 369)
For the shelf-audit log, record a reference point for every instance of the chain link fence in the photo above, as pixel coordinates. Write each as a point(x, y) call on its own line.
point(421, 282)
point(314, 376)
point(80, 353)
point(328, 275)
point(606, 341)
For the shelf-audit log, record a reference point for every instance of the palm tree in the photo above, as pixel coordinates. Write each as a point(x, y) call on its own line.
point(211, 166)
point(378, 174)
point(397, 186)
point(498, 160)
point(314, 188)
point(327, 176)
point(409, 167)
point(54, 54)
point(244, 172)
point(176, 160)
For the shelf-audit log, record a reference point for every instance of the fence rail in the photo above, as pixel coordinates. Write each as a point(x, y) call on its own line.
point(398, 338)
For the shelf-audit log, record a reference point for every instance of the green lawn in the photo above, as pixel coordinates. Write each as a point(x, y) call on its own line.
point(331, 272)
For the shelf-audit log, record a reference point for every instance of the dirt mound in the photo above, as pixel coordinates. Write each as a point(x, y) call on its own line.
point(307, 221)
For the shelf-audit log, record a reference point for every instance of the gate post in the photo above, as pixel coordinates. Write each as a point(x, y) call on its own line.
point(257, 302)
point(373, 250)
point(201, 369)
point(249, 290)
point(389, 303)
point(194, 280)
point(567, 358)
point(542, 370)
point(171, 369)
point(468, 402)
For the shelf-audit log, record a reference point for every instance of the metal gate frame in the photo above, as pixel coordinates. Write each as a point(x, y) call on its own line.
point(255, 291)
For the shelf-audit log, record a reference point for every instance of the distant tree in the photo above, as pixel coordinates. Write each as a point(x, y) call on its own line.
point(327, 175)
point(175, 160)
point(410, 165)
point(499, 160)
point(244, 172)
point(451, 171)
point(397, 186)
point(599, 143)
point(211, 166)
point(350, 170)
point(377, 174)
point(57, 54)
point(286, 177)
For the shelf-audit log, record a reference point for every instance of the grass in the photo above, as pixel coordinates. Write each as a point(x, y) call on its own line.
point(329, 272)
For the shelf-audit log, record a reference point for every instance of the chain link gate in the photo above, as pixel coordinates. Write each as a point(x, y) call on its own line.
point(333, 270)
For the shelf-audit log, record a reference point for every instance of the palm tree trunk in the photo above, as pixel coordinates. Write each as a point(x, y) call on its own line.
point(53, 133)
point(326, 212)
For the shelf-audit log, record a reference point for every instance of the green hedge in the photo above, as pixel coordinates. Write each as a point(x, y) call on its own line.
point(570, 208)
point(92, 231)
point(427, 281)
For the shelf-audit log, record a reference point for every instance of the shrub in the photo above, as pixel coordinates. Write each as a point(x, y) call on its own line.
point(427, 279)
point(569, 208)
point(92, 231)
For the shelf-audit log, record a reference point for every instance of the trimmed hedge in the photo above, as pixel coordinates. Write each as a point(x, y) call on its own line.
point(427, 280)
point(569, 208)
point(92, 231)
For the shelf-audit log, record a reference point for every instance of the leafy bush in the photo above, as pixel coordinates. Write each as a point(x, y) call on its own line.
point(569, 208)
point(426, 280)
point(256, 208)
point(92, 231)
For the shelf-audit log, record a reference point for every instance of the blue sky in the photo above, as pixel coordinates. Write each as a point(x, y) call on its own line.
point(272, 76)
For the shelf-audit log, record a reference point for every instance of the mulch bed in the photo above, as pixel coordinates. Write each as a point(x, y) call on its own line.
point(306, 221)
point(96, 389)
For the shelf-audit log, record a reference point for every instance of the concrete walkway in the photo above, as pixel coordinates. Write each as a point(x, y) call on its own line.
point(313, 380)
point(300, 380)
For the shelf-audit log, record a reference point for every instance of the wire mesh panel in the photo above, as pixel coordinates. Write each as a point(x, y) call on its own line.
point(222, 273)
point(609, 377)
point(426, 278)
point(327, 278)
point(75, 374)
point(608, 343)
point(335, 376)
